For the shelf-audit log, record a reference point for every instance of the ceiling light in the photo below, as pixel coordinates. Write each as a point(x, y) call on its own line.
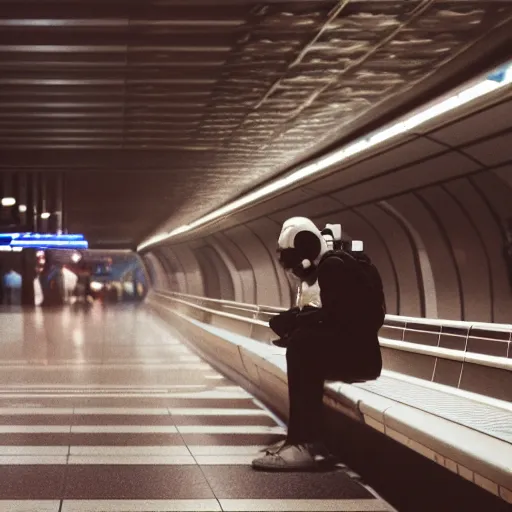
point(76, 257)
point(8, 201)
point(22, 208)
point(491, 83)
point(45, 215)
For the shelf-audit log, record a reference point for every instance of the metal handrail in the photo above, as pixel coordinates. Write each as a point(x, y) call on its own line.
point(443, 353)
point(399, 318)
point(450, 323)
point(221, 313)
point(251, 307)
point(207, 299)
point(239, 308)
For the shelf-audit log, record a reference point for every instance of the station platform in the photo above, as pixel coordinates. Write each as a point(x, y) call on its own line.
point(103, 408)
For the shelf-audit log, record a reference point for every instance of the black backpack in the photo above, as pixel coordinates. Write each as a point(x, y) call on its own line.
point(368, 296)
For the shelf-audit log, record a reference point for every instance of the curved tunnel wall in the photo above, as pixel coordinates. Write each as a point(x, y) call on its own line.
point(435, 214)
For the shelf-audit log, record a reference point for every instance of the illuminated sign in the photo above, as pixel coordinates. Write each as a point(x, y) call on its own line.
point(51, 244)
point(5, 239)
point(43, 241)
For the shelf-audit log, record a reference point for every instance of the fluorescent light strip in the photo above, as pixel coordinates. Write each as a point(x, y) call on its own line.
point(467, 95)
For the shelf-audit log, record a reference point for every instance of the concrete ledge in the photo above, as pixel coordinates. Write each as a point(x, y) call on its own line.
point(482, 454)
point(475, 456)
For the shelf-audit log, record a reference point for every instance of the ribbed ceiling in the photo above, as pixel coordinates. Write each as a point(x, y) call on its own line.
point(162, 108)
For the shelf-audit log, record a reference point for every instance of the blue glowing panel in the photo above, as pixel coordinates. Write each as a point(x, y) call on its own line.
point(44, 236)
point(5, 239)
point(51, 244)
point(50, 237)
point(44, 240)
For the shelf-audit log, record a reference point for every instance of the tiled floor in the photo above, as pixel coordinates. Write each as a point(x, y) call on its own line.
point(105, 409)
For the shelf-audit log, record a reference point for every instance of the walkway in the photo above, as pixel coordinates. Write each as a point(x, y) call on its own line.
point(105, 409)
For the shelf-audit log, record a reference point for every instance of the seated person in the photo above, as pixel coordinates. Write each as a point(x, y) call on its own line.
point(336, 339)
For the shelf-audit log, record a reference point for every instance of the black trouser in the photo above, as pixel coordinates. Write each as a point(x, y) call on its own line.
point(311, 360)
point(305, 392)
point(12, 296)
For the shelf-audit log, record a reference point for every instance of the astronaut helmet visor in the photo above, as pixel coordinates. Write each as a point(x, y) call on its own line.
point(289, 258)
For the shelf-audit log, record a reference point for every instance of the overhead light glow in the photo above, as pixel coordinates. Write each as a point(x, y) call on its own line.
point(22, 208)
point(8, 201)
point(179, 230)
point(96, 286)
point(45, 215)
point(76, 257)
point(498, 79)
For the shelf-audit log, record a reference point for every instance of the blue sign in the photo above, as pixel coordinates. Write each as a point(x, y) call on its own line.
point(5, 239)
point(51, 244)
point(49, 237)
point(44, 240)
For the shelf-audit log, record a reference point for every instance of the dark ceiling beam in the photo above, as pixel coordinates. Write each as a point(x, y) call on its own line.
point(41, 21)
point(85, 89)
point(113, 115)
point(114, 6)
point(111, 42)
point(99, 160)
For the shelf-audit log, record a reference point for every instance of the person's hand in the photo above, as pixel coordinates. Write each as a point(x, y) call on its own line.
point(309, 317)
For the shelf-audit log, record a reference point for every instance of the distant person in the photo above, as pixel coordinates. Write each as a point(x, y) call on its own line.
point(38, 291)
point(12, 287)
point(83, 285)
point(53, 286)
point(333, 338)
point(88, 290)
point(70, 279)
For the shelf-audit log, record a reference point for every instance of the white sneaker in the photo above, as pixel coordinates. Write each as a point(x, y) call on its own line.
point(274, 448)
point(288, 458)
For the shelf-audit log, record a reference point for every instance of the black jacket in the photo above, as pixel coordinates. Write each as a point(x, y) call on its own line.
point(338, 328)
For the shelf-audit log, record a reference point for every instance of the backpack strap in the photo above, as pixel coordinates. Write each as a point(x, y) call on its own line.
point(339, 253)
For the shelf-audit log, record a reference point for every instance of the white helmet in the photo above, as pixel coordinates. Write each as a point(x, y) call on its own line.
point(300, 246)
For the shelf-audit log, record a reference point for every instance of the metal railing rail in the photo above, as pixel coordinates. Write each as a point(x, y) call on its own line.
point(251, 307)
point(393, 318)
point(503, 363)
point(219, 313)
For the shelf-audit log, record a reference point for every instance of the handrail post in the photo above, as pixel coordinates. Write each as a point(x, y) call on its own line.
point(255, 316)
point(464, 359)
